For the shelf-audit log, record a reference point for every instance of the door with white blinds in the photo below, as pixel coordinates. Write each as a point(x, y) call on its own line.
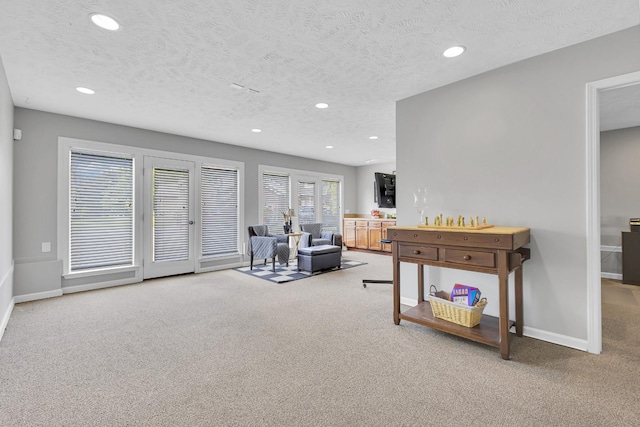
point(169, 221)
point(307, 201)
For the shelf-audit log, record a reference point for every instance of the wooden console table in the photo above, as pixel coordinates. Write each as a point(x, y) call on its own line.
point(495, 250)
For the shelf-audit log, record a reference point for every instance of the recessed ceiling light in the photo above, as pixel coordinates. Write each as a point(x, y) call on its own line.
point(373, 137)
point(322, 105)
point(256, 130)
point(85, 90)
point(104, 21)
point(454, 51)
point(329, 146)
point(236, 86)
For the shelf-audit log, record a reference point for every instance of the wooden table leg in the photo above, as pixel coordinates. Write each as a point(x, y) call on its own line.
point(518, 298)
point(420, 283)
point(503, 321)
point(396, 283)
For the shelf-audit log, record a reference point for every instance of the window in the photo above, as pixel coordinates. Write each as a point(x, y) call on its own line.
point(331, 205)
point(219, 211)
point(277, 197)
point(101, 211)
point(306, 202)
point(315, 197)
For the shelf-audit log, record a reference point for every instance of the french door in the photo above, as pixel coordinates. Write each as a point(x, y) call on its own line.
point(307, 200)
point(169, 218)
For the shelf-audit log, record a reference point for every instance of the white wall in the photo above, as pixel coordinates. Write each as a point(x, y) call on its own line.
point(36, 196)
point(510, 144)
point(6, 206)
point(619, 190)
point(365, 178)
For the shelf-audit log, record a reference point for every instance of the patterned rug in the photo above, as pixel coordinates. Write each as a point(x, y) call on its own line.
point(288, 274)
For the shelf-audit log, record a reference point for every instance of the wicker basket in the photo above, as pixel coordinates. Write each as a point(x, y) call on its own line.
point(457, 313)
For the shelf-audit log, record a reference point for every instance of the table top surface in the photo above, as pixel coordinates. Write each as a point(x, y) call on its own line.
point(490, 230)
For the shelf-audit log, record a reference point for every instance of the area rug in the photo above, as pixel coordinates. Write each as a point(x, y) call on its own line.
point(291, 273)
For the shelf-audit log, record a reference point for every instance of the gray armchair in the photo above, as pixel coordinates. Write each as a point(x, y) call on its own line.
point(312, 235)
point(264, 245)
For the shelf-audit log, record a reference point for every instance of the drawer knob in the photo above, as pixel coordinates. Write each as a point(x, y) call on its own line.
point(415, 235)
point(466, 238)
point(416, 252)
point(466, 257)
point(497, 240)
point(439, 236)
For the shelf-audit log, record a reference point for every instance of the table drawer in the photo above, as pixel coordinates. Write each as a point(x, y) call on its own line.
point(453, 238)
point(477, 258)
point(418, 252)
point(362, 223)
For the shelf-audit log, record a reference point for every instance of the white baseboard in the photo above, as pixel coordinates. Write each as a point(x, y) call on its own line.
point(99, 285)
point(5, 318)
point(408, 301)
point(614, 276)
point(36, 296)
point(551, 337)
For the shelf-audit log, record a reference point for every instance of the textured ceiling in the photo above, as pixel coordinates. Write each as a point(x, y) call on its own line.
point(171, 65)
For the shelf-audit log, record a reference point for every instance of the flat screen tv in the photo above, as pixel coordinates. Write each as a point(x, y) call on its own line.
point(385, 190)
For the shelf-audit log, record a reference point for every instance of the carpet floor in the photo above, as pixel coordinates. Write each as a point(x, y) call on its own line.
point(223, 349)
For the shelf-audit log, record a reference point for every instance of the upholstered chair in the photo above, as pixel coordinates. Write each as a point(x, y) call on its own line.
point(312, 235)
point(263, 245)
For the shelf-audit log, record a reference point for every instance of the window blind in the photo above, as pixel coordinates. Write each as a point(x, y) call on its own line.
point(306, 202)
point(101, 211)
point(331, 205)
point(219, 211)
point(276, 195)
point(170, 215)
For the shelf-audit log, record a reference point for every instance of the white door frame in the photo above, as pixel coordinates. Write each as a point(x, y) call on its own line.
point(594, 300)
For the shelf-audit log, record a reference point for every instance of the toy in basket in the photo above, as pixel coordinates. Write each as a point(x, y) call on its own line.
point(457, 313)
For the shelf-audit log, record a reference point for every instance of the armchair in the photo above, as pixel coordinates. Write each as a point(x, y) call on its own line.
point(312, 235)
point(264, 245)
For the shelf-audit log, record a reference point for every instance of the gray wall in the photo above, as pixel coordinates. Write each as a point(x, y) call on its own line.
point(365, 187)
point(619, 189)
point(35, 201)
point(6, 210)
point(510, 145)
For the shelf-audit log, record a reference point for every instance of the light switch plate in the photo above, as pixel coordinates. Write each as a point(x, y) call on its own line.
point(46, 246)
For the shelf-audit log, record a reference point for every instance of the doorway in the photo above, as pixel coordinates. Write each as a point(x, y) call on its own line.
point(169, 240)
point(594, 299)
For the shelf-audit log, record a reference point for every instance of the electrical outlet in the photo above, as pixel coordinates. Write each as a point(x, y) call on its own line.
point(46, 246)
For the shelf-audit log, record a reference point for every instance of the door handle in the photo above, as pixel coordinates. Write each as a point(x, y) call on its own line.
point(191, 222)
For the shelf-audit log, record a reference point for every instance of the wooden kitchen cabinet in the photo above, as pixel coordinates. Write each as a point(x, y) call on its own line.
point(349, 229)
point(362, 234)
point(367, 233)
point(375, 234)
